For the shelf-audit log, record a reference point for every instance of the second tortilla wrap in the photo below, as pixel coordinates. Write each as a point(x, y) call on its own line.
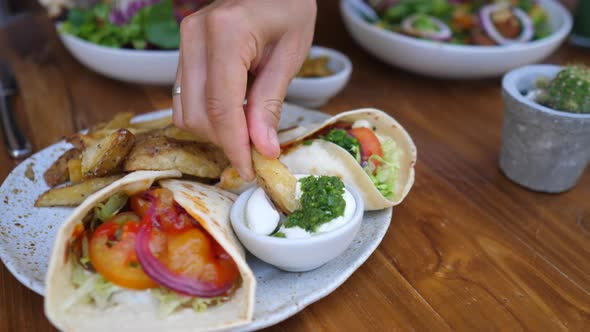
point(326, 158)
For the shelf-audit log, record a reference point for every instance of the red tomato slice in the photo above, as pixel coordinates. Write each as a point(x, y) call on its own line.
point(195, 254)
point(369, 142)
point(140, 204)
point(112, 253)
point(169, 216)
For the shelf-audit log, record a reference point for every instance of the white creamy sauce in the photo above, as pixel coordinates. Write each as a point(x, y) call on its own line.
point(295, 232)
point(263, 218)
point(134, 298)
point(339, 221)
point(362, 123)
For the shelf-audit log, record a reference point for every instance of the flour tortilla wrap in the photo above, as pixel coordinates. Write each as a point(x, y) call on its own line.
point(326, 158)
point(210, 207)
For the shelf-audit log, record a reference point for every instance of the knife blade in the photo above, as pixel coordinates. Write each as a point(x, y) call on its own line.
point(17, 144)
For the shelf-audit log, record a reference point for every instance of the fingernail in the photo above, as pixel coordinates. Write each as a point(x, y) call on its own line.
point(245, 175)
point(273, 140)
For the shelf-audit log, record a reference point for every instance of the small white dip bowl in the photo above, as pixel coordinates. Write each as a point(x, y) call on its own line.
point(301, 254)
point(316, 91)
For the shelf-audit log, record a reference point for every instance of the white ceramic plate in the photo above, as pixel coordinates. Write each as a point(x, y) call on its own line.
point(27, 234)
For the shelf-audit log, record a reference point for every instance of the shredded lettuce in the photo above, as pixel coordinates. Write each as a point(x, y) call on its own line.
point(109, 208)
point(92, 287)
point(102, 292)
point(84, 281)
point(385, 176)
point(170, 301)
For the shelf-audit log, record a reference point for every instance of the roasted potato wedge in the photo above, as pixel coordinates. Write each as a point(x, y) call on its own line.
point(276, 180)
point(73, 195)
point(162, 153)
point(81, 141)
point(153, 124)
point(75, 170)
point(107, 155)
point(58, 173)
point(179, 134)
point(120, 120)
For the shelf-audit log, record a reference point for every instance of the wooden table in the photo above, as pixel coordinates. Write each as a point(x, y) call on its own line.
point(467, 250)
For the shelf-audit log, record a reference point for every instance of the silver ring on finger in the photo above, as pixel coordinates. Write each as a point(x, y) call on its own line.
point(176, 89)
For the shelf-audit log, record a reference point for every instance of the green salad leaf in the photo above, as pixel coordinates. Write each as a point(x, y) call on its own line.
point(160, 25)
point(154, 24)
point(385, 176)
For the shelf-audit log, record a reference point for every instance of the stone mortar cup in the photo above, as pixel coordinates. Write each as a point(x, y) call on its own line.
point(542, 149)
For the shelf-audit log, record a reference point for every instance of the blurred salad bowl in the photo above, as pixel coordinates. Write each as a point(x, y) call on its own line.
point(133, 41)
point(456, 39)
point(133, 66)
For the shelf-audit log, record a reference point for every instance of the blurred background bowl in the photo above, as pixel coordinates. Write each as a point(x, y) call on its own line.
point(316, 91)
point(443, 60)
point(156, 67)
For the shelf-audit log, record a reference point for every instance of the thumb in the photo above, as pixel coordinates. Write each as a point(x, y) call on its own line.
point(265, 102)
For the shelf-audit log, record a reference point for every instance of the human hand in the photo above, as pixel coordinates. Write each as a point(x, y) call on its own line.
point(219, 45)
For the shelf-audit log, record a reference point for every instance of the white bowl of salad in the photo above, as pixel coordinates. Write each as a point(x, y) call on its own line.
point(459, 39)
point(134, 41)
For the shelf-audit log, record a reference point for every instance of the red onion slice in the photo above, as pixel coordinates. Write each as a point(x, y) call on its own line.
point(526, 31)
point(163, 276)
point(444, 33)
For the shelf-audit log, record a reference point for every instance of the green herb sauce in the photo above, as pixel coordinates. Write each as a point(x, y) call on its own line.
point(349, 143)
point(321, 202)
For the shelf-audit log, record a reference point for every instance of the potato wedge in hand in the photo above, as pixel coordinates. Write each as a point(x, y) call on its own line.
point(75, 194)
point(163, 153)
point(58, 173)
point(231, 181)
point(105, 156)
point(276, 180)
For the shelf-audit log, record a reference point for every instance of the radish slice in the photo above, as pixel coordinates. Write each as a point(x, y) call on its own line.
point(526, 31)
point(442, 33)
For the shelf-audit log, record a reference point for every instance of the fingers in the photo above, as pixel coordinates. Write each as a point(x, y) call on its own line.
point(191, 106)
point(228, 59)
point(177, 117)
point(265, 100)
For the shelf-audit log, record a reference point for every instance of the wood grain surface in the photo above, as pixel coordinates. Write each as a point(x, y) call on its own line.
point(467, 250)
